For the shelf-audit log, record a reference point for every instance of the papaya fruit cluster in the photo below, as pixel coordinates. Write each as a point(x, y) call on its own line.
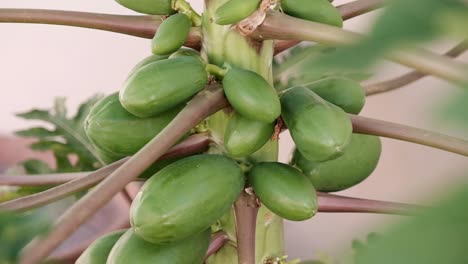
point(172, 215)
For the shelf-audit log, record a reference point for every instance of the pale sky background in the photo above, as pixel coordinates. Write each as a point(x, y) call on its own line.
point(39, 62)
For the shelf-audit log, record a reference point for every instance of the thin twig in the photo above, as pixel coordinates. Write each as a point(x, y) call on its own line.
point(218, 240)
point(400, 81)
point(365, 125)
point(332, 203)
point(140, 26)
point(347, 11)
point(246, 209)
point(194, 144)
point(281, 26)
point(200, 107)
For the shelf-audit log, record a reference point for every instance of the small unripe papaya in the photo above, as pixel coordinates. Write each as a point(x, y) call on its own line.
point(234, 11)
point(131, 248)
point(117, 133)
point(321, 11)
point(162, 85)
point(99, 250)
point(171, 34)
point(150, 7)
point(244, 136)
point(147, 61)
point(185, 198)
point(321, 130)
point(251, 95)
point(346, 93)
point(284, 190)
point(358, 161)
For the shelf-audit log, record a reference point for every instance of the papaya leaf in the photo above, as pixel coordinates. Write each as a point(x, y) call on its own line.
point(68, 136)
point(437, 235)
point(16, 230)
point(402, 24)
point(298, 66)
point(34, 166)
point(37, 132)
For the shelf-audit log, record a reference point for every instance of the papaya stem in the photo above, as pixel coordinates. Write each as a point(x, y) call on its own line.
point(184, 7)
point(246, 209)
point(407, 78)
point(332, 203)
point(139, 26)
point(347, 11)
point(358, 7)
point(75, 182)
point(218, 240)
point(206, 103)
point(280, 26)
point(365, 125)
point(216, 70)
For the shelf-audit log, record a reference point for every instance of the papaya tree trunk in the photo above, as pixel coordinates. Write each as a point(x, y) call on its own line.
point(224, 45)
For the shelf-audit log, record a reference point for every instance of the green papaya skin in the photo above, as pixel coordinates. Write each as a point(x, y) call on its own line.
point(244, 136)
point(345, 93)
point(251, 95)
point(320, 129)
point(150, 7)
point(284, 190)
point(158, 86)
point(130, 248)
point(234, 11)
point(187, 52)
point(354, 166)
point(185, 198)
point(171, 34)
point(99, 250)
point(321, 11)
point(117, 133)
point(146, 61)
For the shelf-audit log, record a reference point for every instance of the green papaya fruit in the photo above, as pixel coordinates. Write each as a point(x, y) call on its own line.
point(150, 7)
point(185, 198)
point(130, 248)
point(284, 190)
point(356, 164)
point(171, 34)
point(99, 250)
point(159, 86)
point(321, 11)
point(244, 136)
point(345, 93)
point(321, 130)
point(187, 52)
point(251, 95)
point(234, 11)
point(117, 133)
point(146, 61)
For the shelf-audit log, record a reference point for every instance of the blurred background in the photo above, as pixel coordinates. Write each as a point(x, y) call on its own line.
point(40, 62)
